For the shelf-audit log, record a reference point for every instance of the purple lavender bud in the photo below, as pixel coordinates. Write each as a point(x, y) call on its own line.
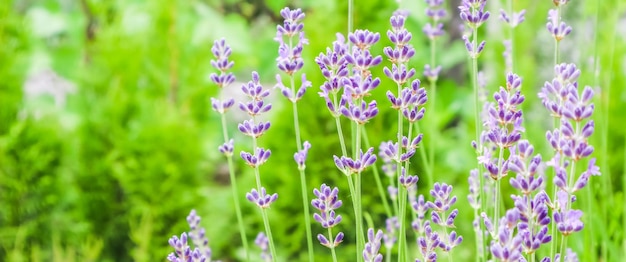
point(443, 201)
point(254, 89)
point(390, 237)
point(259, 158)
point(393, 192)
point(372, 247)
point(300, 156)
point(221, 51)
point(430, 73)
point(514, 20)
point(360, 114)
point(262, 242)
point(474, 193)
point(261, 199)
point(399, 74)
point(399, 55)
point(326, 202)
point(221, 107)
point(363, 39)
point(473, 12)
point(287, 92)
point(324, 241)
point(227, 148)
point(357, 87)
point(568, 221)
point(255, 107)
point(432, 32)
point(558, 30)
point(249, 128)
point(407, 180)
point(473, 52)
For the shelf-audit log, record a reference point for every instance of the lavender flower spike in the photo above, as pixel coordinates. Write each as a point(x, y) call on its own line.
point(263, 243)
point(300, 156)
point(370, 253)
point(222, 51)
point(261, 199)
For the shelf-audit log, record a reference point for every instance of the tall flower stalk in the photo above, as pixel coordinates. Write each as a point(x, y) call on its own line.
point(409, 102)
point(222, 52)
point(573, 108)
point(254, 129)
point(473, 13)
point(558, 29)
point(326, 202)
point(290, 61)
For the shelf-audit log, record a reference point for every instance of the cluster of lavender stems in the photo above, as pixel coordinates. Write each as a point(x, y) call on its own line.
point(255, 129)
point(290, 61)
point(473, 14)
point(409, 102)
point(222, 52)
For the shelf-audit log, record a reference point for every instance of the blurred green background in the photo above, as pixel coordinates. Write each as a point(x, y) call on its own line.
point(107, 139)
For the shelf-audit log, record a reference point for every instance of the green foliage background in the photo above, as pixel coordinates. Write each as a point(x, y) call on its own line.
point(111, 174)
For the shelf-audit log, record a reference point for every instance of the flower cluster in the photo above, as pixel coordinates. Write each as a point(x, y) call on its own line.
point(182, 249)
point(569, 140)
point(289, 55)
point(326, 202)
point(473, 13)
point(504, 126)
point(262, 242)
point(372, 247)
point(254, 107)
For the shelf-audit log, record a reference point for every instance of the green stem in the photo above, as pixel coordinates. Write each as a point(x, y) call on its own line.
point(332, 244)
point(512, 36)
point(356, 214)
point(303, 186)
point(433, 125)
point(268, 232)
point(563, 245)
point(496, 212)
point(474, 77)
point(235, 191)
point(402, 252)
point(359, 217)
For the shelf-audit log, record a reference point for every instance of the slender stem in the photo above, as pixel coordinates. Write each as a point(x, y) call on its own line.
point(496, 215)
point(268, 232)
point(303, 186)
point(563, 246)
point(379, 184)
point(233, 186)
point(332, 244)
point(402, 252)
point(474, 77)
point(512, 36)
point(556, 41)
point(356, 214)
point(359, 217)
point(433, 125)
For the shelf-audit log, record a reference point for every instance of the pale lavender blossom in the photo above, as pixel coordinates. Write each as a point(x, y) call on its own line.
point(262, 242)
point(261, 198)
point(372, 247)
point(326, 202)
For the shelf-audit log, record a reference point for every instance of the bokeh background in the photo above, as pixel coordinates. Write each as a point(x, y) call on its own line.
point(107, 139)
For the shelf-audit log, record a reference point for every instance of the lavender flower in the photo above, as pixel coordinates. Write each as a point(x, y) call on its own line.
point(198, 234)
point(513, 20)
point(372, 247)
point(326, 202)
point(263, 243)
point(351, 166)
point(259, 158)
point(391, 231)
point(508, 246)
point(182, 248)
point(290, 57)
point(261, 199)
point(442, 203)
point(222, 51)
point(473, 12)
point(300, 156)
point(428, 244)
point(227, 148)
point(558, 29)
